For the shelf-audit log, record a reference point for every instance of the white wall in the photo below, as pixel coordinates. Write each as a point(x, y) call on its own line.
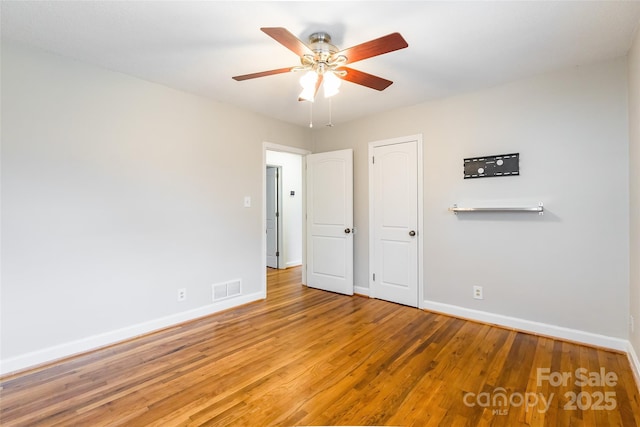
point(291, 248)
point(568, 268)
point(634, 187)
point(115, 193)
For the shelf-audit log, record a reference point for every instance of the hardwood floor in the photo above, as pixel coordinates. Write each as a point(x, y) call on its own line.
point(308, 357)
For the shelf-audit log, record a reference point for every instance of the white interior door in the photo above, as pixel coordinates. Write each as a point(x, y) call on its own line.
point(272, 217)
point(395, 237)
point(330, 221)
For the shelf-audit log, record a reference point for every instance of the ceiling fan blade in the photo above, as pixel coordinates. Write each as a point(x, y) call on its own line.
point(365, 79)
point(262, 74)
point(288, 40)
point(375, 47)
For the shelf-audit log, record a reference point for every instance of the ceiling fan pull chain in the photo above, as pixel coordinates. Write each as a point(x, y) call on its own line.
point(330, 124)
point(310, 114)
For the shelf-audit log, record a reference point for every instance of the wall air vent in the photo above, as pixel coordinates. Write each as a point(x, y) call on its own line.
point(221, 291)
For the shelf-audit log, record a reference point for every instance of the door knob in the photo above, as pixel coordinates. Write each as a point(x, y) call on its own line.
point(412, 233)
point(347, 230)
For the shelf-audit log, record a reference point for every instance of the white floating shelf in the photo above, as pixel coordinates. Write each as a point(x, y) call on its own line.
point(539, 209)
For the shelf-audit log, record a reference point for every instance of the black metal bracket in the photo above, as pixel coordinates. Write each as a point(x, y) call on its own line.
point(491, 166)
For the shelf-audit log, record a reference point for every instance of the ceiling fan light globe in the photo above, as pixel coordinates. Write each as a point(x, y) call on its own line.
point(331, 84)
point(307, 94)
point(328, 93)
point(308, 80)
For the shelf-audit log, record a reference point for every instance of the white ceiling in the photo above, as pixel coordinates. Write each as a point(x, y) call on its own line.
point(454, 47)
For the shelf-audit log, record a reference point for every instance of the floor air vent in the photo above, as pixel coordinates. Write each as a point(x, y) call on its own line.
point(226, 290)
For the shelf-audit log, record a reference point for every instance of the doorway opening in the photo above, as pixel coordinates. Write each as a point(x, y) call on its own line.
point(283, 209)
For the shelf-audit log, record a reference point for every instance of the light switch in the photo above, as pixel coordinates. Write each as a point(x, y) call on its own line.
point(247, 201)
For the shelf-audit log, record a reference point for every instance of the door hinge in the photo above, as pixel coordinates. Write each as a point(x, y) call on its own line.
point(373, 160)
point(277, 214)
point(277, 253)
point(374, 277)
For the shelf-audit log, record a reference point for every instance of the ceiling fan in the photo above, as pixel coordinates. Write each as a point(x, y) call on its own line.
point(323, 62)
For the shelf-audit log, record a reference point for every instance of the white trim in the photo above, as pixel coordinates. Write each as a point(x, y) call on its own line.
point(530, 326)
point(361, 290)
point(421, 234)
point(94, 342)
point(294, 263)
point(269, 146)
point(634, 362)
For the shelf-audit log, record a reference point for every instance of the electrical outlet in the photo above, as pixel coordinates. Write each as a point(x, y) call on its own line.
point(477, 292)
point(182, 294)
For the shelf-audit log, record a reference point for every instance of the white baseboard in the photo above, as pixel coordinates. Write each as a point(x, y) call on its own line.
point(635, 363)
point(554, 331)
point(361, 291)
point(51, 354)
point(293, 263)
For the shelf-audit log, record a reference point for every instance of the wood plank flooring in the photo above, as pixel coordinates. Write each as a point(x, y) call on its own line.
point(308, 357)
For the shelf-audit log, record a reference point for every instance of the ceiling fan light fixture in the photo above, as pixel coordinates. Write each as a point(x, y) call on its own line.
point(331, 84)
point(308, 82)
point(321, 60)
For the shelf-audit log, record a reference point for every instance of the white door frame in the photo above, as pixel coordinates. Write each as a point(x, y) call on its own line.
point(269, 146)
point(372, 146)
point(280, 248)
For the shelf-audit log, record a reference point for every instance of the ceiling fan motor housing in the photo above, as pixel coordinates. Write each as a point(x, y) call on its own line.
point(323, 59)
point(320, 44)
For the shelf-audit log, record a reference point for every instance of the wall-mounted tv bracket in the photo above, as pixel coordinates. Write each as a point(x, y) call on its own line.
point(491, 166)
